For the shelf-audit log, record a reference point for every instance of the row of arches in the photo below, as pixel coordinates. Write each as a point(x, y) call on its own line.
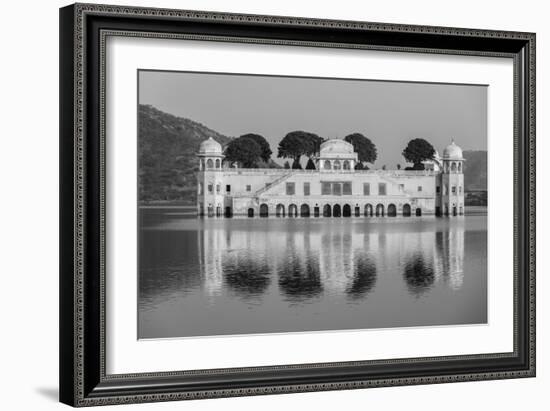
point(337, 165)
point(452, 167)
point(336, 210)
point(209, 164)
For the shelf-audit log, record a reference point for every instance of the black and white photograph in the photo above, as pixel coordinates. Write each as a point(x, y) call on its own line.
point(280, 204)
point(259, 201)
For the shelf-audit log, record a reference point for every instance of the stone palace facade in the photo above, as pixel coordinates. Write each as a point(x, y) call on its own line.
point(334, 189)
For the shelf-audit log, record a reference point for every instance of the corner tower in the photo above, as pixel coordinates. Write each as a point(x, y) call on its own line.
point(452, 181)
point(210, 179)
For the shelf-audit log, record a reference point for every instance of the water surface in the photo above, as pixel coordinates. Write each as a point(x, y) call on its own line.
point(201, 277)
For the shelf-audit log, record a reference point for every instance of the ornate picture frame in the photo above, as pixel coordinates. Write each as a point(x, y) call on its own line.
point(84, 30)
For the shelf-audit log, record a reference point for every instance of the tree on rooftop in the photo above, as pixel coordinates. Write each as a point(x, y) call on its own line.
point(244, 151)
point(417, 151)
point(299, 143)
point(365, 149)
point(262, 142)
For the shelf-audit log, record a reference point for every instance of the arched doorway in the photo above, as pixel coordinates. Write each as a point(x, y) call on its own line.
point(292, 210)
point(280, 210)
point(346, 211)
point(419, 212)
point(392, 210)
point(454, 211)
point(304, 210)
point(357, 211)
point(336, 210)
point(327, 211)
point(406, 210)
point(380, 210)
point(368, 210)
point(228, 212)
point(219, 211)
point(251, 212)
point(264, 210)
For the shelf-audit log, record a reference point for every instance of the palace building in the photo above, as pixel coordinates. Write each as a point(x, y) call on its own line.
point(333, 189)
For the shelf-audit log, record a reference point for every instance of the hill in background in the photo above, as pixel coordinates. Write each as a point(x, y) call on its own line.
point(475, 170)
point(167, 147)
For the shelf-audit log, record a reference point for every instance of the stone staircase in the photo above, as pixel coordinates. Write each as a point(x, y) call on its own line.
point(273, 184)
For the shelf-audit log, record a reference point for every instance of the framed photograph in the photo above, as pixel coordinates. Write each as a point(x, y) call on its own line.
point(261, 204)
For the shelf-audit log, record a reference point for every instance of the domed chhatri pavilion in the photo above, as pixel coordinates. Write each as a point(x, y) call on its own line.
point(334, 189)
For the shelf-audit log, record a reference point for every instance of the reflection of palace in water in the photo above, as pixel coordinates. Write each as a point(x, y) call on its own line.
point(335, 259)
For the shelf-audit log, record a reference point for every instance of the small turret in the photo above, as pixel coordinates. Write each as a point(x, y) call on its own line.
point(451, 187)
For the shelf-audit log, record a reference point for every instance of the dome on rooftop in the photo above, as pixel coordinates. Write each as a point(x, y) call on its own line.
point(210, 146)
point(335, 147)
point(452, 152)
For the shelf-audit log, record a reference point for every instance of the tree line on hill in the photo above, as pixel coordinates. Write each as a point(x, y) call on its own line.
point(250, 149)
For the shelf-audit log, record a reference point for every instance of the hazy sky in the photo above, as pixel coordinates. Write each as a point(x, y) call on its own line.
point(389, 113)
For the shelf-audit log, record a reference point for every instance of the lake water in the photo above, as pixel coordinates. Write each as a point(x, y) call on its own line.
point(201, 277)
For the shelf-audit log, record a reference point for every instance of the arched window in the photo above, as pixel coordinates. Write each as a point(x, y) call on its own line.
point(337, 211)
point(218, 163)
point(346, 165)
point(419, 212)
point(292, 210)
point(453, 167)
point(346, 210)
point(251, 212)
point(460, 167)
point(209, 163)
point(380, 210)
point(326, 166)
point(210, 210)
point(406, 210)
point(337, 165)
point(368, 210)
point(264, 210)
point(219, 210)
point(327, 211)
point(280, 210)
point(304, 210)
point(392, 210)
